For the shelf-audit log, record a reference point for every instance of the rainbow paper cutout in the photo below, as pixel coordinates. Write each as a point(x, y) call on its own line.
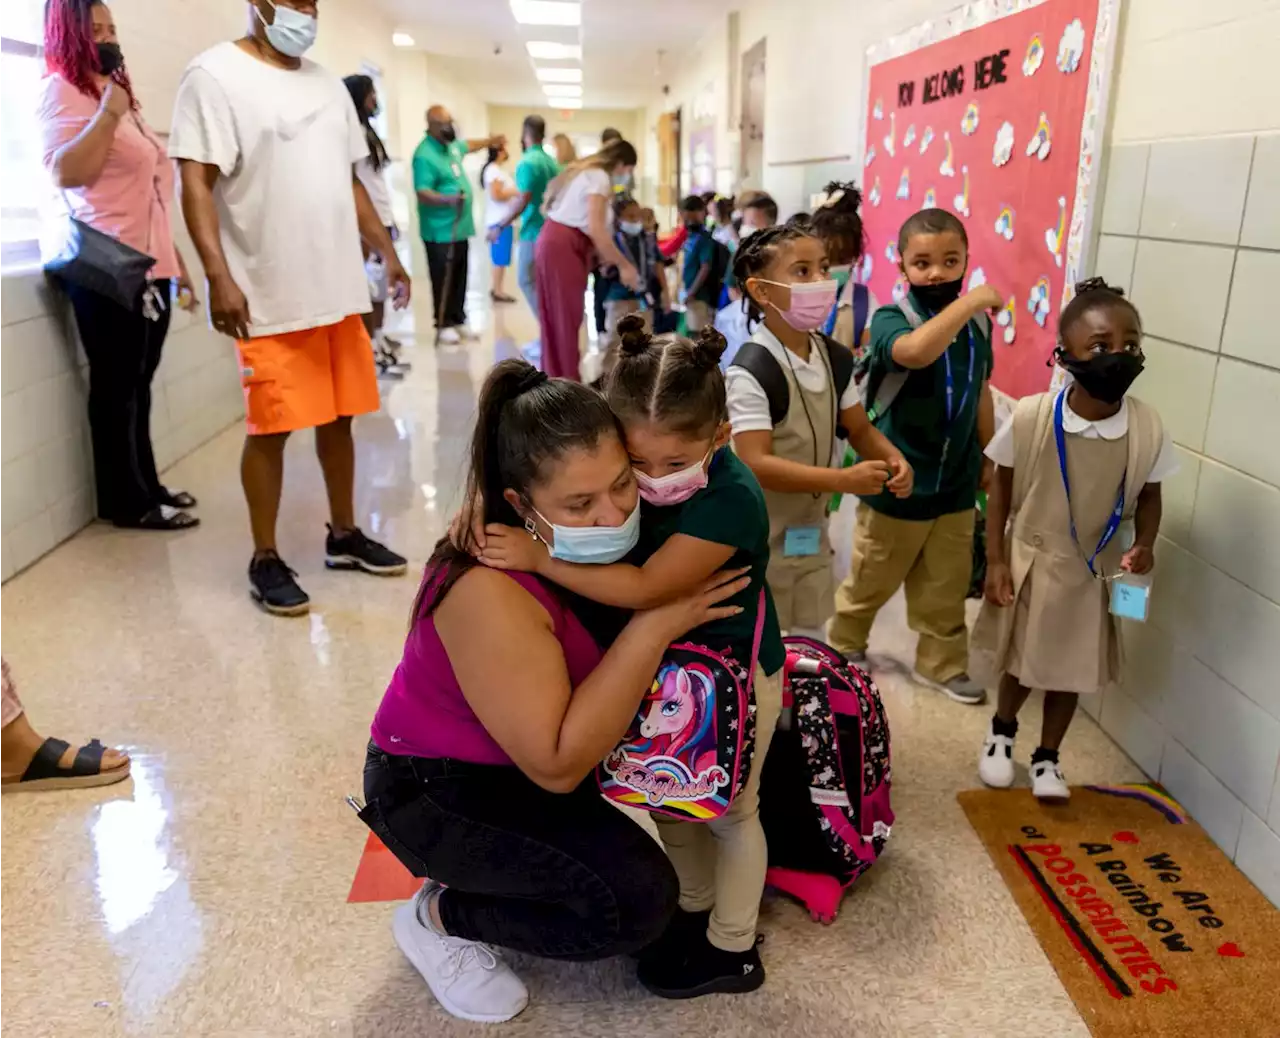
point(871, 156)
point(888, 137)
point(1053, 237)
point(1034, 57)
point(904, 185)
point(900, 290)
point(874, 196)
point(926, 139)
point(909, 138)
point(891, 252)
point(1038, 301)
point(1004, 223)
point(931, 199)
point(962, 199)
point(1008, 320)
point(948, 168)
point(969, 121)
point(1039, 144)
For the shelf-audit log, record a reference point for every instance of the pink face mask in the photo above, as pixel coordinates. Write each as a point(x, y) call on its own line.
point(674, 487)
point(811, 303)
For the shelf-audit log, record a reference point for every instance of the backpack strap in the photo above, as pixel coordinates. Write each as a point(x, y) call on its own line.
point(1146, 438)
point(841, 359)
point(765, 369)
point(861, 312)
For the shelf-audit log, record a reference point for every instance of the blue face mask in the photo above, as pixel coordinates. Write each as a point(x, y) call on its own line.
point(291, 33)
point(632, 227)
point(590, 545)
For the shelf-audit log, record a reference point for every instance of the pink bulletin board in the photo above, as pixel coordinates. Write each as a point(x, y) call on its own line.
point(994, 112)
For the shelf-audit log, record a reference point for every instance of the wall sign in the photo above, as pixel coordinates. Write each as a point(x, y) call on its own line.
point(994, 112)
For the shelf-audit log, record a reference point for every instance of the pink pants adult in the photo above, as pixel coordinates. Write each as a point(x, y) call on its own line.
point(562, 260)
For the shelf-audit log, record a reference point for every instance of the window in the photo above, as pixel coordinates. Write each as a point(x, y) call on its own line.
point(24, 185)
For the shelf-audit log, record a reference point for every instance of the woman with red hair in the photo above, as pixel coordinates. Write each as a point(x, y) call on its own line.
point(113, 175)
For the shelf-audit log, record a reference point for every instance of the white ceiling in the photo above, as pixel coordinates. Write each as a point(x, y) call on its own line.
point(621, 40)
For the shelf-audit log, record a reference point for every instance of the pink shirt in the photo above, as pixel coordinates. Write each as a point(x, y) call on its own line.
point(424, 713)
point(135, 186)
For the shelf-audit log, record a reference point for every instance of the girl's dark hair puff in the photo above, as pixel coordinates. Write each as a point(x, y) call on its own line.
point(838, 222)
point(755, 254)
point(667, 379)
point(1093, 294)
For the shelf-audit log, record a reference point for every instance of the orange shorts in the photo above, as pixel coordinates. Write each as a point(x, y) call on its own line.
point(298, 380)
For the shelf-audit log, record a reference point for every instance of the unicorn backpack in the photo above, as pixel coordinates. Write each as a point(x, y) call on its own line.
point(687, 752)
point(824, 791)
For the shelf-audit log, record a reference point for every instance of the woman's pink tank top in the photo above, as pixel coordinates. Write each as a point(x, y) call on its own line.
point(424, 714)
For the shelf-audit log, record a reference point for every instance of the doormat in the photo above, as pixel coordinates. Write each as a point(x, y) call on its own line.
point(380, 876)
point(1151, 928)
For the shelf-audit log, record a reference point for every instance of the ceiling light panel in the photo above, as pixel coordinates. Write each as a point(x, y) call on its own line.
point(562, 90)
point(547, 50)
point(559, 75)
point(546, 12)
point(401, 39)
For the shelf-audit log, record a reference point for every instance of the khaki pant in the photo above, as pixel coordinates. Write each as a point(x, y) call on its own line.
point(722, 864)
point(932, 560)
point(698, 315)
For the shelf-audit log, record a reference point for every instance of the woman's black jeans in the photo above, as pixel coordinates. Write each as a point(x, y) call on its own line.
point(562, 876)
point(123, 348)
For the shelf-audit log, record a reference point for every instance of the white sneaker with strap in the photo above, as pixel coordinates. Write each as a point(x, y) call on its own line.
point(995, 763)
point(1047, 781)
point(469, 979)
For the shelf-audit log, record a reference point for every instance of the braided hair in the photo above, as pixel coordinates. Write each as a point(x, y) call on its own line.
point(667, 379)
point(1093, 294)
point(839, 224)
point(755, 254)
point(360, 87)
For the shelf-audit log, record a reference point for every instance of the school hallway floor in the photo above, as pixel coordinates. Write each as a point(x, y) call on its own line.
point(207, 895)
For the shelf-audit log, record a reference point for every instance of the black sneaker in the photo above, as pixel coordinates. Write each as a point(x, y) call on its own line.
point(272, 586)
point(703, 970)
point(683, 930)
point(353, 550)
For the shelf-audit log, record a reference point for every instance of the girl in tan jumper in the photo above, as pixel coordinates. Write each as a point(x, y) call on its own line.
point(1073, 466)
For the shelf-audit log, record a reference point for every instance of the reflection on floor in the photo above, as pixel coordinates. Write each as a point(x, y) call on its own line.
point(208, 895)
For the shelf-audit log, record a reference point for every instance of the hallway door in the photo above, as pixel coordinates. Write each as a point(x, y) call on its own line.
point(751, 161)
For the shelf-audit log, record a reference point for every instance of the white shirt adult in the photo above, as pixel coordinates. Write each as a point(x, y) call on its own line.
point(375, 183)
point(284, 142)
point(570, 206)
point(1001, 449)
point(496, 212)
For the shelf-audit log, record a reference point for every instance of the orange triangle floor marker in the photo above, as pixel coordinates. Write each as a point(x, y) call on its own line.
point(380, 876)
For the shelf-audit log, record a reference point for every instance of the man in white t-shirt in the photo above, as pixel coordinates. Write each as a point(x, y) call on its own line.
point(267, 142)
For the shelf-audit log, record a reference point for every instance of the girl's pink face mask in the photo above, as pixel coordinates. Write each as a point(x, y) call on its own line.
point(811, 303)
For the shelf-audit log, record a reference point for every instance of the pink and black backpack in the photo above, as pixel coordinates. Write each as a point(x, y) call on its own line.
point(687, 752)
point(824, 791)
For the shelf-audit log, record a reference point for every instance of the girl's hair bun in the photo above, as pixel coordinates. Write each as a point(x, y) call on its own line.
point(708, 347)
point(1097, 285)
point(633, 337)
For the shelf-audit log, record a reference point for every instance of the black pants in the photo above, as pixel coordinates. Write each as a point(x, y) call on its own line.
point(562, 876)
point(447, 261)
point(123, 348)
point(599, 288)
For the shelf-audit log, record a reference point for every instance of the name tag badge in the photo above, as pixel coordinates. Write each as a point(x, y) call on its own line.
point(1130, 600)
point(802, 540)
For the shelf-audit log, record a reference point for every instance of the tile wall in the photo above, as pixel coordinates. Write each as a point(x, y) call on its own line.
point(47, 491)
point(1191, 229)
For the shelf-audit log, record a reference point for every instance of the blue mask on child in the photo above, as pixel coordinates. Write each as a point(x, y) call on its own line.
point(590, 545)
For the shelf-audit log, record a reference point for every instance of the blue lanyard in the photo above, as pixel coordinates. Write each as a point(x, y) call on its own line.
point(1113, 523)
point(951, 383)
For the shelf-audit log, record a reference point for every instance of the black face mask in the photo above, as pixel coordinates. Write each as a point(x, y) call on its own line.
point(1106, 378)
point(110, 58)
point(940, 296)
point(448, 133)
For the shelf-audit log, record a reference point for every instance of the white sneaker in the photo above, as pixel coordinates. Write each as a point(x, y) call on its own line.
point(466, 334)
point(469, 979)
point(1047, 782)
point(448, 336)
point(995, 764)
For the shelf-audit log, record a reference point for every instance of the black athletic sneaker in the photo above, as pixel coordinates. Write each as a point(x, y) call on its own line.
point(353, 550)
point(703, 970)
point(683, 930)
point(272, 586)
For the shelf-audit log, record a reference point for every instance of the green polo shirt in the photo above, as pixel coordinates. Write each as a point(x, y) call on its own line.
point(729, 510)
point(438, 167)
point(536, 170)
point(916, 422)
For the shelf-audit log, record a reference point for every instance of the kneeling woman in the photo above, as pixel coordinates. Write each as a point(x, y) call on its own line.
point(479, 774)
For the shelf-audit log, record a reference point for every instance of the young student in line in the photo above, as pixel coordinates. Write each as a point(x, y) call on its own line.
point(725, 232)
point(702, 512)
point(934, 351)
point(641, 249)
point(790, 391)
point(701, 289)
point(759, 212)
point(1072, 465)
point(838, 222)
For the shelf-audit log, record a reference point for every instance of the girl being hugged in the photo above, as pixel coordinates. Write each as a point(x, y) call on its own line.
point(790, 394)
point(703, 511)
point(1073, 465)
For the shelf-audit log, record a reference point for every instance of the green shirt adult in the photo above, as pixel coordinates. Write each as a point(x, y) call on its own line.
point(536, 170)
point(917, 424)
point(729, 510)
point(438, 167)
